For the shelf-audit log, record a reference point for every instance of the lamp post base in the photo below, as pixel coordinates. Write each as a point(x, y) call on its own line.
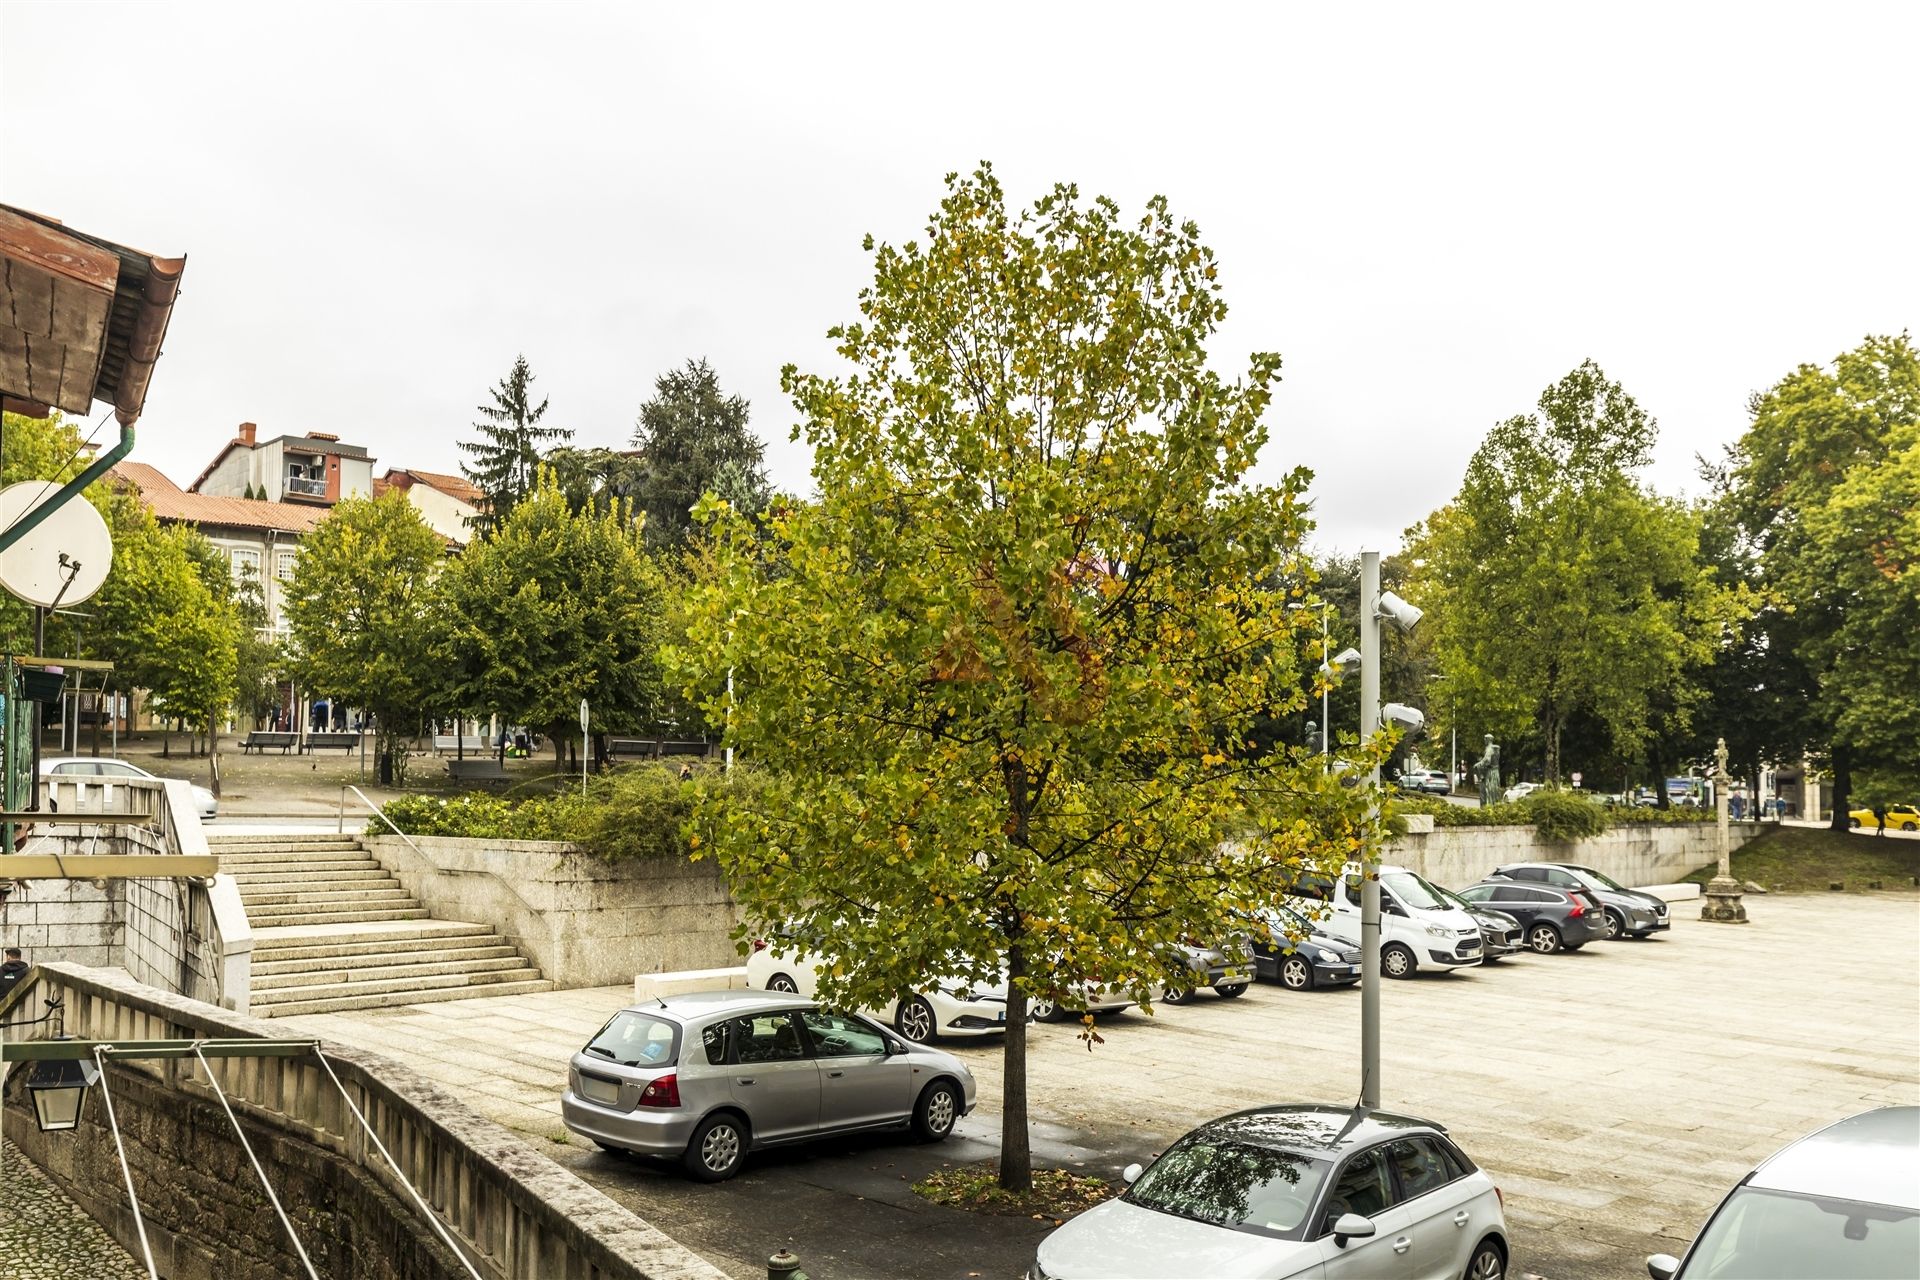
point(1722, 901)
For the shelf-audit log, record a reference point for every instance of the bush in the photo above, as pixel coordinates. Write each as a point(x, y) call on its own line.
point(1569, 814)
point(639, 811)
point(1559, 816)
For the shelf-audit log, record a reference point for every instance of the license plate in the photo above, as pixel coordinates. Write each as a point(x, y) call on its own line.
point(595, 1089)
point(1001, 1016)
point(1353, 968)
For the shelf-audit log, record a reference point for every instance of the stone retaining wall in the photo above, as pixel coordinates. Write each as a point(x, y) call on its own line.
point(1639, 854)
point(586, 921)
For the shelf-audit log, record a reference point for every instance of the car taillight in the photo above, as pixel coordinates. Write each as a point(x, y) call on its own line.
point(759, 944)
point(1579, 908)
point(1501, 1197)
point(664, 1092)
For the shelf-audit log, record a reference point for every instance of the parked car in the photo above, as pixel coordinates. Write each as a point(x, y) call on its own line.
point(1900, 817)
point(1226, 967)
point(1093, 998)
point(944, 1007)
point(1500, 934)
point(1293, 1191)
point(1631, 913)
point(1842, 1204)
point(1433, 781)
point(1418, 928)
point(1292, 950)
point(1554, 919)
point(709, 1076)
point(1519, 791)
point(90, 768)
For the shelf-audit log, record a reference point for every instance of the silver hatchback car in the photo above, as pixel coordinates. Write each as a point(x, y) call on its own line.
point(710, 1075)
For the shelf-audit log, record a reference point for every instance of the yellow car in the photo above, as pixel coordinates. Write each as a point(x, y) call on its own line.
point(1900, 817)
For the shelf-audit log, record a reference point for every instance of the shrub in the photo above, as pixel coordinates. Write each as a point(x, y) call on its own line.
point(1573, 813)
point(639, 811)
point(1558, 816)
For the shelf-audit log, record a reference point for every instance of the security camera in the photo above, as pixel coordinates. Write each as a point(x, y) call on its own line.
point(1403, 717)
point(1346, 656)
point(1399, 612)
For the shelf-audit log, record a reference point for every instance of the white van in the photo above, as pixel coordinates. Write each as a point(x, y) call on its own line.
point(1418, 930)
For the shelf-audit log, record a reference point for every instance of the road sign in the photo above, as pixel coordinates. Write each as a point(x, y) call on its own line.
point(583, 715)
point(1576, 777)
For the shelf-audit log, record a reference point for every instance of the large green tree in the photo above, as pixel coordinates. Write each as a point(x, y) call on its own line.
point(1001, 676)
point(358, 609)
point(506, 457)
point(1560, 585)
point(554, 606)
point(1818, 497)
point(693, 439)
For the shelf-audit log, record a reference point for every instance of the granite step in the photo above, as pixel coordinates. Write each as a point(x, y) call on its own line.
point(349, 1003)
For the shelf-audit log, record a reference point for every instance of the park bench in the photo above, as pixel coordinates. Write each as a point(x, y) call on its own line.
point(260, 741)
point(446, 742)
point(332, 741)
point(483, 769)
point(654, 748)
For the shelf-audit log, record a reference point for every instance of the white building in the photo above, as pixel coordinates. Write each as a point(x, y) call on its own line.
point(449, 504)
point(314, 468)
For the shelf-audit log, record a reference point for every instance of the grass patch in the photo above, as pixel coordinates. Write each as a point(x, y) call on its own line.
point(1808, 859)
point(1057, 1193)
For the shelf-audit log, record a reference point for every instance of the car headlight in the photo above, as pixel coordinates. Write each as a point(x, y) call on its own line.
point(1439, 931)
point(1326, 956)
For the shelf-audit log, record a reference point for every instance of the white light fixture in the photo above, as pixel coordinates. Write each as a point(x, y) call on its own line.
point(1397, 611)
point(1346, 657)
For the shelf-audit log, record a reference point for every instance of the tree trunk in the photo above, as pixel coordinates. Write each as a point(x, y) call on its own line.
point(1842, 788)
point(1016, 1152)
point(559, 753)
point(166, 739)
point(1550, 730)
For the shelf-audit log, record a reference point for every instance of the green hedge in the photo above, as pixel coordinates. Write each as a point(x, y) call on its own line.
point(1554, 814)
point(635, 812)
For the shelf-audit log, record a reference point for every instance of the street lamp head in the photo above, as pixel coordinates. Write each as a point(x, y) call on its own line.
point(1402, 717)
point(1346, 657)
point(59, 1089)
point(1399, 612)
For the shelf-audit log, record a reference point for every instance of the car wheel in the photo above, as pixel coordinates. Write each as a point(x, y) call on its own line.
point(1488, 1263)
point(935, 1113)
point(1396, 961)
point(1177, 995)
point(1854, 823)
point(1616, 926)
point(914, 1020)
point(717, 1147)
point(1229, 990)
point(1046, 1011)
point(1295, 974)
point(1544, 939)
point(781, 982)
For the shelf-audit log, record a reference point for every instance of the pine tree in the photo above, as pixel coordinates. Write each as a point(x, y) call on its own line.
point(507, 456)
point(694, 440)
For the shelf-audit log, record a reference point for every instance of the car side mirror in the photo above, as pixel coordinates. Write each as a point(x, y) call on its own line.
point(1350, 1226)
point(1661, 1266)
point(1394, 909)
point(1131, 1173)
point(895, 1048)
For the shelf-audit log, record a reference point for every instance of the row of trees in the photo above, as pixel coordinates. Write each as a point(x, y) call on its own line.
point(169, 617)
point(1594, 623)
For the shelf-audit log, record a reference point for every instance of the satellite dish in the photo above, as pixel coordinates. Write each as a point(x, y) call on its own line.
point(63, 559)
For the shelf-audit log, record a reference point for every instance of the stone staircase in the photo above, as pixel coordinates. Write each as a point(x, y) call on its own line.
point(332, 931)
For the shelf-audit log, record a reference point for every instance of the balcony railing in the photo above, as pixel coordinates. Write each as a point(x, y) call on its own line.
point(306, 486)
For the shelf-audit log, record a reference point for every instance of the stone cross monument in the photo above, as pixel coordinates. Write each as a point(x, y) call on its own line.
point(1723, 894)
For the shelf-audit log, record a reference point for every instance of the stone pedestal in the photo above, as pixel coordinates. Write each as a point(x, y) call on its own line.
point(1722, 901)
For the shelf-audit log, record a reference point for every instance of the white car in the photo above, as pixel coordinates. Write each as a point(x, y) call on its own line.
point(947, 1007)
point(90, 768)
point(1520, 791)
point(1419, 929)
point(1293, 1191)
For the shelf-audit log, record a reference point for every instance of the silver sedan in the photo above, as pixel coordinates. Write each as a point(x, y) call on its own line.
point(708, 1076)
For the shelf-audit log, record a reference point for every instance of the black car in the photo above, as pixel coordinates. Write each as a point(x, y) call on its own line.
point(1500, 933)
point(1290, 949)
point(1552, 919)
point(1630, 913)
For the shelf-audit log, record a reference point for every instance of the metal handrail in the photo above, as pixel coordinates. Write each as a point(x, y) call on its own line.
point(380, 813)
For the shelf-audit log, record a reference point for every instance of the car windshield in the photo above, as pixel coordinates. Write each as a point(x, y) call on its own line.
point(635, 1039)
point(1234, 1185)
point(1285, 920)
point(1775, 1235)
point(1413, 891)
point(1605, 882)
point(1450, 898)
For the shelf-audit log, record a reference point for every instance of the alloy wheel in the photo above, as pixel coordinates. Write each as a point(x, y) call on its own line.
point(781, 982)
point(1543, 939)
point(1486, 1265)
point(721, 1148)
point(940, 1111)
point(1295, 973)
point(1614, 927)
point(916, 1020)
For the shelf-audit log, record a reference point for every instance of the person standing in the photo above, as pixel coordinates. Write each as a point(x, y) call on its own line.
point(12, 969)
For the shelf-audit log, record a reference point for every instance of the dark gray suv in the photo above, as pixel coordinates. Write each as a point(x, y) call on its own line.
point(1630, 913)
point(1550, 919)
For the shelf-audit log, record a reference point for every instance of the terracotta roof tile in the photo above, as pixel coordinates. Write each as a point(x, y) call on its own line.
point(453, 486)
point(168, 501)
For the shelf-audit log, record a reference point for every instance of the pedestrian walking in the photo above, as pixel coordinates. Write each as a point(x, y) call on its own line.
point(12, 969)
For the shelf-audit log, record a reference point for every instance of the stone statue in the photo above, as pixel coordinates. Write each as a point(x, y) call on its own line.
point(1488, 770)
point(1313, 738)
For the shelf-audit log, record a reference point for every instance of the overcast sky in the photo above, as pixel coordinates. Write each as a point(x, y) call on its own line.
point(1431, 211)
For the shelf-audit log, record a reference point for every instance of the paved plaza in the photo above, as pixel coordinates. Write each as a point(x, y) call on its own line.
point(1614, 1094)
point(44, 1235)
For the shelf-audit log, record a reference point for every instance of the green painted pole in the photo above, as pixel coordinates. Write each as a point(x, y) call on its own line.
point(72, 489)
